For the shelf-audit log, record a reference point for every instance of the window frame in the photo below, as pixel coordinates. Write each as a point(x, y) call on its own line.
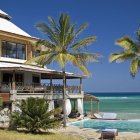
point(16, 44)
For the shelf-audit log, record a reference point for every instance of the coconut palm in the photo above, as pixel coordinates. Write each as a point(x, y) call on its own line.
point(63, 47)
point(130, 52)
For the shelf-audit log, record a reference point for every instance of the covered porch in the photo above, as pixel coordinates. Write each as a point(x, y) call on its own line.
point(22, 81)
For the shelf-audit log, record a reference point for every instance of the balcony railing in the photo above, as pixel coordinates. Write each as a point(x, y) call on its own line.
point(39, 88)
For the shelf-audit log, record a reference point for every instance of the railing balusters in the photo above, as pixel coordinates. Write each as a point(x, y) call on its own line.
point(40, 88)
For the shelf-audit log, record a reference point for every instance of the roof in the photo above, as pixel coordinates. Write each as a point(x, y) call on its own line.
point(4, 15)
point(45, 72)
point(89, 97)
point(7, 26)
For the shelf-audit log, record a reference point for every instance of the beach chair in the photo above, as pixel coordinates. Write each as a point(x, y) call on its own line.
point(109, 134)
point(96, 116)
point(109, 116)
point(106, 116)
point(81, 117)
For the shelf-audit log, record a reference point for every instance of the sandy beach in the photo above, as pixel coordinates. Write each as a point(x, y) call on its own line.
point(91, 134)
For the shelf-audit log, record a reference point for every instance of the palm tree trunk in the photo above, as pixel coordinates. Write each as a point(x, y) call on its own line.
point(64, 98)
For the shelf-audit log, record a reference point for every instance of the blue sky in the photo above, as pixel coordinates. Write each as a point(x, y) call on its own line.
point(108, 20)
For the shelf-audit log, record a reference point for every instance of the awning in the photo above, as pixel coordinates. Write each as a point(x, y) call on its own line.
point(45, 72)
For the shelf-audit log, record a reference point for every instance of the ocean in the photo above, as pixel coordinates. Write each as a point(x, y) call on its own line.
point(126, 105)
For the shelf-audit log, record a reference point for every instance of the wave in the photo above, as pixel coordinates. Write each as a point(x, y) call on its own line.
point(118, 98)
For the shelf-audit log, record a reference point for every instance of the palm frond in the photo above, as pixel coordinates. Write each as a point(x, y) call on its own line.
point(83, 43)
point(77, 62)
point(64, 27)
point(70, 36)
point(134, 67)
point(42, 45)
point(122, 56)
point(85, 57)
point(83, 68)
point(39, 59)
point(54, 25)
point(43, 27)
point(82, 27)
point(126, 43)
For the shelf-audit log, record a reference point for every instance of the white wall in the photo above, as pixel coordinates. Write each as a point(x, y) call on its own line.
point(28, 77)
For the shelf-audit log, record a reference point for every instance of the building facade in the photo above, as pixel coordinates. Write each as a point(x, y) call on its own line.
point(20, 81)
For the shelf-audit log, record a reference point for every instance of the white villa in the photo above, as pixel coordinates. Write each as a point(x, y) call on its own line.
point(19, 81)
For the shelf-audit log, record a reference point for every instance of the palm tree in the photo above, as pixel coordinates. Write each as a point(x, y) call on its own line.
point(62, 47)
point(131, 52)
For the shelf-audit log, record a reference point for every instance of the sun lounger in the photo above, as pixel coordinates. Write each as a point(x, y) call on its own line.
point(110, 116)
point(96, 116)
point(81, 117)
point(109, 134)
point(106, 116)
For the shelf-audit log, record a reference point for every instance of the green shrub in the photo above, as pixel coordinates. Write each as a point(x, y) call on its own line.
point(1, 103)
point(34, 116)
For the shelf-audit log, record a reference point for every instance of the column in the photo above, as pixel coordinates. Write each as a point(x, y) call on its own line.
point(80, 85)
point(51, 85)
point(13, 81)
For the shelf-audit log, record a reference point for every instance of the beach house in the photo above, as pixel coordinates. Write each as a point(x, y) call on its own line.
point(20, 81)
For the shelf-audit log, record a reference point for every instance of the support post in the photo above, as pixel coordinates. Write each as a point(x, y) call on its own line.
point(64, 99)
point(91, 106)
point(13, 81)
point(51, 85)
point(80, 85)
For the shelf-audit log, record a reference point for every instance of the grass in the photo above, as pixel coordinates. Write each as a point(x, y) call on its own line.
point(13, 135)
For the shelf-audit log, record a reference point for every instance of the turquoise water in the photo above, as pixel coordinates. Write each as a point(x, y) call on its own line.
point(122, 126)
point(126, 105)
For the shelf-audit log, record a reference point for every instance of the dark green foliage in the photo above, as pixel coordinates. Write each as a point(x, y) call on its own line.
point(34, 116)
point(1, 102)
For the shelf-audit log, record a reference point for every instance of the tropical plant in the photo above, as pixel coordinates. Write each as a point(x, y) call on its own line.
point(131, 52)
point(34, 115)
point(62, 47)
point(1, 102)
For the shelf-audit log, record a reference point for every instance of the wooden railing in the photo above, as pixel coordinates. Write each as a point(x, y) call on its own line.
point(33, 88)
point(39, 88)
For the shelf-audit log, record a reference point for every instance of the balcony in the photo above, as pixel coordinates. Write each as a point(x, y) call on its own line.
point(48, 91)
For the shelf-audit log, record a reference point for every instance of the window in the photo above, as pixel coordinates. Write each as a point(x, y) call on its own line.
point(36, 79)
point(7, 77)
point(19, 78)
point(13, 50)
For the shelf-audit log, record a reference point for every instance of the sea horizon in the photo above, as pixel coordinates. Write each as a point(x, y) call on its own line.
point(114, 93)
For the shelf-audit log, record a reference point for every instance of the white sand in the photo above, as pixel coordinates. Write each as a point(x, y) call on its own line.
point(91, 134)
